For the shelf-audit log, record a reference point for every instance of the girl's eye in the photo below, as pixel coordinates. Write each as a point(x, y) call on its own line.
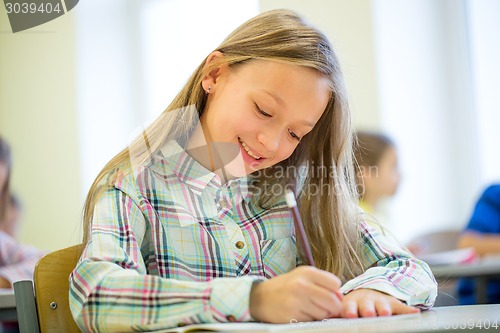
point(262, 112)
point(267, 115)
point(294, 136)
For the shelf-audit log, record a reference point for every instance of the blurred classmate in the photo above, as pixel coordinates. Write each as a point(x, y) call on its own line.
point(483, 234)
point(5, 166)
point(10, 222)
point(10, 205)
point(16, 261)
point(377, 173)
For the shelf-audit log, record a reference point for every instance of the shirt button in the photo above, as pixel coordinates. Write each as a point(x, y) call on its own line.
point(224, 204)
point(231, 318)
point(240, 245)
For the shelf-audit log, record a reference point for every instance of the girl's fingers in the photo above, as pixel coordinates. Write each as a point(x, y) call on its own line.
point(303, 316)
point(324, 279)
point(366, 308)
point(383, 308)
point(350, 309)
point(322, 303)
point(329, 308)
point(314, 313)
point(370, 303)
point(310, 310)
point(401, 308)
point(395, 307)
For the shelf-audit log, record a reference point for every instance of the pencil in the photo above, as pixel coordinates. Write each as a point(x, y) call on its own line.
point(300, 234)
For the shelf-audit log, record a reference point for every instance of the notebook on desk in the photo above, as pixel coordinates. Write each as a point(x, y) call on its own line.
point(335, 324)
point(451, 257)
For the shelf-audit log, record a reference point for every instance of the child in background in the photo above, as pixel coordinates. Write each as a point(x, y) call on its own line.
point(16, 261)
point(190, 225)
point(378, 175)
point(5, 167)
point(11, 219)
point(483, 234)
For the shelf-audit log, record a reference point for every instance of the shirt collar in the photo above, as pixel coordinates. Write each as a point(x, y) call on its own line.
point(186, 168)
point(240, 187)
point(197, 177)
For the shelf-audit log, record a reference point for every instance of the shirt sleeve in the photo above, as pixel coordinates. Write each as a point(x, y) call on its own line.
point(391, 270)
point(111, 289)
point(17, 261)
point(486, 215)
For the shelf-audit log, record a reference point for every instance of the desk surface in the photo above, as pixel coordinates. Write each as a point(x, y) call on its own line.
point(453, 318)
point(481, 271)
point(474, 318)
point(7, 305)
point(483, 268)
point(442, 319)
point(7, 299)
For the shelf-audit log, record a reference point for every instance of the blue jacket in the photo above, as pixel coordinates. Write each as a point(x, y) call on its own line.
point(485, 219)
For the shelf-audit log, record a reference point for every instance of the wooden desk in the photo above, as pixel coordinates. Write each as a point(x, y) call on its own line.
point(7, 305)
point(481, 271)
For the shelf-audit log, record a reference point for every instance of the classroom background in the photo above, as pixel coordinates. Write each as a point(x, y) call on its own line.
point(425, 72)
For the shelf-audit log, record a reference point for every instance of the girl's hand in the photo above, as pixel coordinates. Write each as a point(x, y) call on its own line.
point(304, 294)
point(372, 303)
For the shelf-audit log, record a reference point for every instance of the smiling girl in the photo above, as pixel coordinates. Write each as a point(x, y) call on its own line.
point(182, 226)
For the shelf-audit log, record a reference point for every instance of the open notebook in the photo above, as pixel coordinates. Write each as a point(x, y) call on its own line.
point(330, 325)
point(451, 257)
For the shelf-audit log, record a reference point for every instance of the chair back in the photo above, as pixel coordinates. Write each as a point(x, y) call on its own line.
point(51, 280)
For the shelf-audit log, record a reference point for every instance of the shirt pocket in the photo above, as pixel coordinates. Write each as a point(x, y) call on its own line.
point(279, 256)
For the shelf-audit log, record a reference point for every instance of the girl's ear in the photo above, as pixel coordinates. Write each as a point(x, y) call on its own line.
point(210, 79)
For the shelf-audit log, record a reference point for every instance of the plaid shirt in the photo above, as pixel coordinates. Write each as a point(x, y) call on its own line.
point(17, 261)
point(172, 245)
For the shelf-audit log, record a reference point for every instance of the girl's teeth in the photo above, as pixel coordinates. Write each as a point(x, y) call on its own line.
point(244, 145)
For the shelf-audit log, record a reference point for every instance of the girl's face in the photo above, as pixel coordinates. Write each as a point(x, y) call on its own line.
point(264, 108)
point(3, 175)
point(385, 181)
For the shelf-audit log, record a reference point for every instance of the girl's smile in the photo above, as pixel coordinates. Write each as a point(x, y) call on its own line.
point(249, 151)
point(249, 156)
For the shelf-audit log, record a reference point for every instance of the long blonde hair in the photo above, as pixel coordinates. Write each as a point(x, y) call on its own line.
point(330, 220)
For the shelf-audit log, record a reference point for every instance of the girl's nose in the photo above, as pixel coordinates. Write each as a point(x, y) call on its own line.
point(270, 140)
